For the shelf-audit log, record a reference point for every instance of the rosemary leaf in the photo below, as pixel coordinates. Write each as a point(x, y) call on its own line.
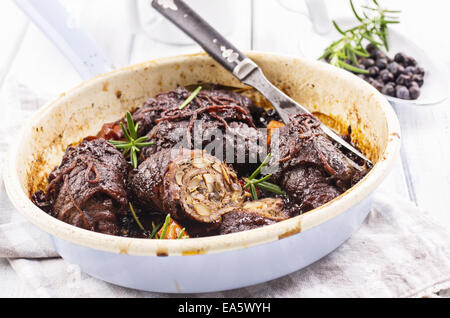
point(118, 142)
point(131, 126)
point(354, 12)
point(371, 27)
point(142, 139)
point(352, 68)
point(352, 55)
point(253, 192)
point(336, 26)
point(190, 98)
point(133, 143)
point(144, 144)
point(181, 233)
point(165, 226)
point(134, 160)
point(359, 51)
point(136, 218)
point(122, 146)
point(125, 132)
point(155, 230)
point(252, 183)
point(271, 188)
point(258, 171)
point(256, 182)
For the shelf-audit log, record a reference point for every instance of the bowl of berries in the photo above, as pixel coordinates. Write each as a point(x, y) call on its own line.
point(367, 46)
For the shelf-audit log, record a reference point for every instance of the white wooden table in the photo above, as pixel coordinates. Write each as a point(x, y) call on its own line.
point(422, 174)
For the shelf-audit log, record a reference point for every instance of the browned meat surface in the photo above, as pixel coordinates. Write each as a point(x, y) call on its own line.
point(88, 188)
point(239, 145)
point(152, 109)
point(217, 121)
point(309, 188)
point(253, 215)
point(311, 169)
point(240, 221)
point(165, 105)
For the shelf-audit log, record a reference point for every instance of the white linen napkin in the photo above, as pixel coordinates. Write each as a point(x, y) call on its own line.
point(399, 251)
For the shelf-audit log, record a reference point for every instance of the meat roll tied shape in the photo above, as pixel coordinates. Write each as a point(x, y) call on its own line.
point(88, 189)
point(188, 184)
point(311, 168)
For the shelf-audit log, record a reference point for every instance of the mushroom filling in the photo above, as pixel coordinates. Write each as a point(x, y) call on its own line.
point(188, 184)
point(206, 187)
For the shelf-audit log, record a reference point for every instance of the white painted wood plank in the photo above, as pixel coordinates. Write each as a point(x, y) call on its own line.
point(427, 24)
point(39, 66)
point(12, 27)
point(426, 148)
point(108, 22)
point(145, 48)
point(426, 138)
point(277, 29)
point(395, 182)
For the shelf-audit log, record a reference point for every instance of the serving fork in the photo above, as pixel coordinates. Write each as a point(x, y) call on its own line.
point(236, 62)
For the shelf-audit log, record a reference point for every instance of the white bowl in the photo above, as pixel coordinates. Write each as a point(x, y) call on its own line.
point(436, 83)
point(213, 263)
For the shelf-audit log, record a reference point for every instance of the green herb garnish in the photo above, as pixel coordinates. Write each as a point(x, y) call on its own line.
point(180, 236)
point(190, 98)
point(155, 230)
point(133, 143)
point(252, 183)
point(372, 28)
point(136, 218)
point(165, 226)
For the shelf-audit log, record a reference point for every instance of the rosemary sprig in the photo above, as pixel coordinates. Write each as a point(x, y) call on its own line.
point(136, 218)
point(190, 98)
point(165, 226)
point(180, 236)
point(262, 183)
point(133, 143)
point(372, 27)
point(156, 228)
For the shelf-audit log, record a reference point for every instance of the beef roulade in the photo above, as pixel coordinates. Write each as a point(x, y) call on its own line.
point(188, 184)
point(88, 188)
point(166, 105)
point(217, 121)
point(310, 167)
